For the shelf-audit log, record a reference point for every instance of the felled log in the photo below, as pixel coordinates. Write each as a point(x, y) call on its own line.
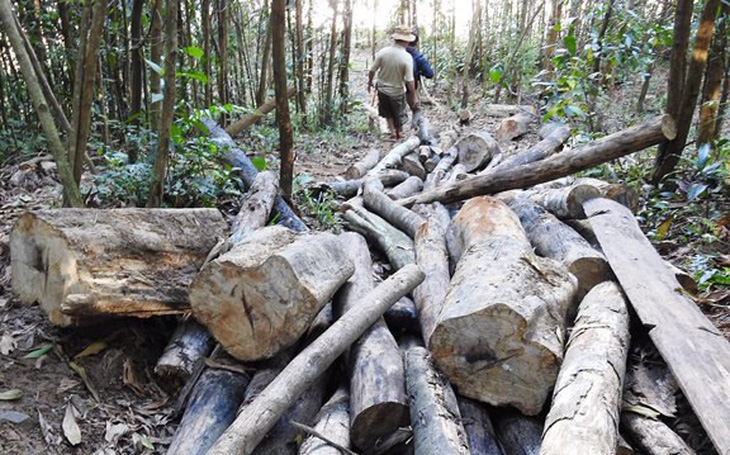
point(211, 409)
point(447, 139)
point(505, 110)
point(700, 357)
point(402, 317)
point(413, 166)
point(86, 264)
point(396, 245)
point(652, 436)
point(432, 162)
point(332, 421)
point(458, 173)
point(504, 315)
point(543, 149)
point(404, 219)
point(518, 434)
point(349, 188)
point(587, 399)
point(394, 157)
point(251, 426)
point(261, 296)
point(605, 149)
point(378, 401)
point(431, 257)
point(513, 127)
point(256, 208)
point(548, 128)
point(566, 202)
point(409, 186)
point(188, 345)
point(238, 126)
point(623, 447)
point(477, 150)
point(435, 418)
point(360, 168)
point(623, 194)
point(424, 153)
point(478, 426)
point(556, 240)
point(236, 158)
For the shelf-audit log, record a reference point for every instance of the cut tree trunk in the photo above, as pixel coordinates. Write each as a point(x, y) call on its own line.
point(408, 187)
point(378, 402)
point(432, 258)
point(513, 127)
point(458, 173)
point(499, 337)
point(477, 150)
point(566, 203)
point(435, 418)
point(587, 399)
point(360, 168)
point(189, 344)
point(349, 188)
point(556, 240)
point(211, 409)
point(543, 149)
point(261, 296)
point(256, 208)
point(250, 427)
point(235, 128)
point(395, 155)
point(85, 264)
point(518, 434)
point(652, 436)
point(432, 162)
point(399, 216)
point(236, 158)
point(700, 357)
point(610, 147)
point(333, 422)
point(506, 110)
point(396, 245)
point(623, 194)
point(478, 426)
point(411, 164)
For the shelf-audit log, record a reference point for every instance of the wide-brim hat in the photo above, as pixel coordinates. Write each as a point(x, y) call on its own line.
point(403, 33)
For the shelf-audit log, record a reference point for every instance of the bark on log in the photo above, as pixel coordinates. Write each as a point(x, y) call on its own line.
point(432, 162)
point(447, 139)
point(349, 188)
point(623, 194)
point(395, 155)
point(477, 150)
point(433, 180)
point(250, 427)
point(261, 296)
point(458, 173)
point(548, 128)
point(543, 149)
point(360, 168)
point(237, 127)
point(402, 317)
point(396, 245)
point(413, 166)
point(409, 186)
point(566, 203)
point(556, 240)
point(513, 127)
point(188, 345)
point(587, 399)
point(499, 337)
point(623, 447)
point(333, 421)
point(211, 409)
point(478, 426)
point(700, 357)
point(83, 264)
point(505, 110)
point(518, 434)
point(378, 401)
point(424, 153)
point(432, 259)
point(256, 208)
point(610, 147)
point(236, 158)
point(653, 437)
point(435, 418)
point(399, 216)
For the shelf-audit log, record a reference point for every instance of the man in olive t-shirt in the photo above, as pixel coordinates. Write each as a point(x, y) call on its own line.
point(394, 67)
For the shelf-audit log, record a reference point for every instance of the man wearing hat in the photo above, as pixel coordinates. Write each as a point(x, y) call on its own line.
point(394, 66)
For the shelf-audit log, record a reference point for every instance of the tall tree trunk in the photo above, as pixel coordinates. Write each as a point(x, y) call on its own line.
point(552, 38)
point(222, 11)
point(67, 40)
point(159, 171)
point(668, 157)
point(205, 27)
point(136, 68)
point(345, 56)
point(326, 112)
point(601, 36)
point(264, 75)
point(725, 96)
point(310, 47)
point(301, 97)
point(156, 41)
point(7, 23)
point(712, 90)
point(286, 139)
point(469, 55)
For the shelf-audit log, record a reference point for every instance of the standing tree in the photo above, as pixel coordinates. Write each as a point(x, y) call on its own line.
point(136, 68)
point(712, 90)
point(155, 57)
point(222, 10)
point(286, 135)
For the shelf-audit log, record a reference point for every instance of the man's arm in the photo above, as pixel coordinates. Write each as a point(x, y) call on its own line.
point(411, 97)
point(424, 68)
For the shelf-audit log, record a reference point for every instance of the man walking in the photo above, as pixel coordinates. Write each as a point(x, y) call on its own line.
point(394, 67)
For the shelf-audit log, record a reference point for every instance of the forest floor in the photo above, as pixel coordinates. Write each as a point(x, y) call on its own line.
point(101, 377)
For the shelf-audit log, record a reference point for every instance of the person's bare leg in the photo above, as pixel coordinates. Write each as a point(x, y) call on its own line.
point(392, 130)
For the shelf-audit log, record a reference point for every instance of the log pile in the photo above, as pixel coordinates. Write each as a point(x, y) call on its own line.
point(504, 325)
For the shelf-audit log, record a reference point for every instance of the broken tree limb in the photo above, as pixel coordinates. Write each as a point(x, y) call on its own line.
point(86, 264)
point(413, 166)
point(394, 157)
point(238, 126)
point(622, 143)
point(519, 435)
point(700, 357)
point(556, 240)
point(399, 216)
point(587, 399)
point(477, 150)
point(513, 127)
point(478, 426)
point(435, 418)
point(236, 158)
point(250, 427)
point(349, 188)
point(261, 296)
point(333, 423)
point(543, 149)
point(360, 168)
point(396, 245)
point(188, 345)
point(409, 186)
point(499, 336)
point(652, 436)
point(378, 401)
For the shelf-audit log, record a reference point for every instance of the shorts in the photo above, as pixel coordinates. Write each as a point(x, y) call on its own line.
point(394, 108)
